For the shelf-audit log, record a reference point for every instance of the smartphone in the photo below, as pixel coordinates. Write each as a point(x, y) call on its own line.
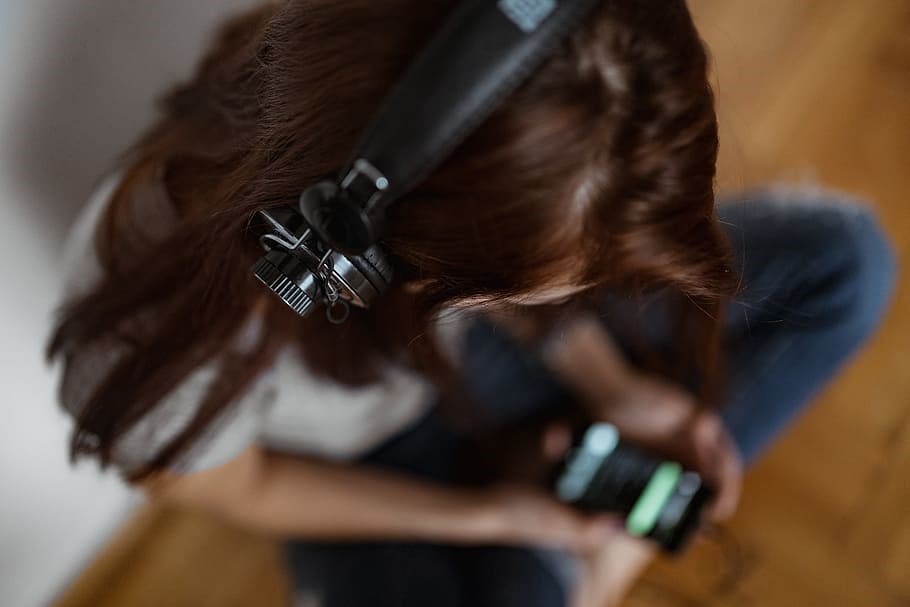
point(657, 498)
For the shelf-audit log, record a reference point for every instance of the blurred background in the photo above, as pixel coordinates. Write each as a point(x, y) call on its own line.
point(809, 91)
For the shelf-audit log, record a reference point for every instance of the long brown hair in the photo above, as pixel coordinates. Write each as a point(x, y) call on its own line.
point(598, 169)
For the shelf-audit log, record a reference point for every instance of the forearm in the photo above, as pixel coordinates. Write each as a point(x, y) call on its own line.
point(319, 499)
point(582, 353)
point(579, 351)
point(585, 357)
point(312, 498)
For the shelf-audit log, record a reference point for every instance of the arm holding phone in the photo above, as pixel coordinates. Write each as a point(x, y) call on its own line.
point(648, 411)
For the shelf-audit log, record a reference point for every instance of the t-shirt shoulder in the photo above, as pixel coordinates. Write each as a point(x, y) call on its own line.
point(80, 265)
point(234, 430)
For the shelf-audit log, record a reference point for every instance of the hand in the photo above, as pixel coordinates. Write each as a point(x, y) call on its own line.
point(652, 413)
point(665, 419)
point(658, 415)
point(520, 514)
point(509, 472)
point(648, 411)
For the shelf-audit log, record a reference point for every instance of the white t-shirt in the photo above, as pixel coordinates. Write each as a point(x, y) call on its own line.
point(286, 407)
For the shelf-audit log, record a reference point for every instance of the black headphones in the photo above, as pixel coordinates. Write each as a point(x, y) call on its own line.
point(325, 248)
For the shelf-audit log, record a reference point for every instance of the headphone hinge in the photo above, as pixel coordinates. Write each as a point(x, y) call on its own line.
point(365, 184)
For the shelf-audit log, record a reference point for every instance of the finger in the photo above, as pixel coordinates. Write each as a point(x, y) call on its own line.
point(707, 435)
point(730, 482)
point(720, 463)
point(556, 441)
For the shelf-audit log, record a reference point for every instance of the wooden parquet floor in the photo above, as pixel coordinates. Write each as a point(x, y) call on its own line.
point(808, 90)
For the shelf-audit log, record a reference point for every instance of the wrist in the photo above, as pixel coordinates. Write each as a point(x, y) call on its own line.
point(483, 517)
point(495, 515)
point(462, 515)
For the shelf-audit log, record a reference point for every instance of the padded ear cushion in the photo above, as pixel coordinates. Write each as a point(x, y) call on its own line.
point(373, 264)
point(379, 261)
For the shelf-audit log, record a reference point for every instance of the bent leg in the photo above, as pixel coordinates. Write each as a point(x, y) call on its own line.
point(375, 574)
point(508, 576)
point(817, 274)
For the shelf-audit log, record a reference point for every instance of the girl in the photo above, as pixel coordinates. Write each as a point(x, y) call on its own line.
point(570, 245)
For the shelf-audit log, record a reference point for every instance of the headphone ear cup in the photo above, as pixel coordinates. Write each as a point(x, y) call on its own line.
point(373, 264)
point(377, 258)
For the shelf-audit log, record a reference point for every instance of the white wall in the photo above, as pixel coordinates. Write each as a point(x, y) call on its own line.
point(78, 80)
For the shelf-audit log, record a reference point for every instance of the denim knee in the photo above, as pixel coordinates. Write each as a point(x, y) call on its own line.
point(872, 275)
point(818, 273)
point(847, 266)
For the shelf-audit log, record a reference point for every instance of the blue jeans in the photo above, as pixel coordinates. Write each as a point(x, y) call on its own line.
point(817, 273)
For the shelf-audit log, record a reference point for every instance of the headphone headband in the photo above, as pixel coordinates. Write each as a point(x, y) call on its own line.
point(484, 50)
